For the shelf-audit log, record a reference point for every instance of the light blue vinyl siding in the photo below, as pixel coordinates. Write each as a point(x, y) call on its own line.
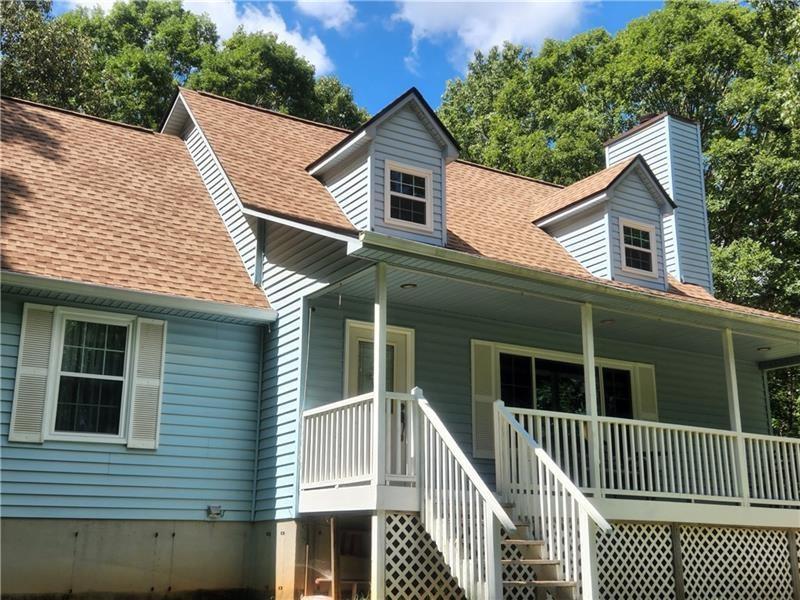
point(671, 148)
point(404, 139)
point(207, 442)
point(240, 227)
point(297, 264)
point(690, 386)
point(349, 186)
point(689, 190)
point(586, 238)
point(633, 201)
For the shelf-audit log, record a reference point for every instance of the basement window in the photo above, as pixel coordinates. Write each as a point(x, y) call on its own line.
point(638, 244)
point(408, 198)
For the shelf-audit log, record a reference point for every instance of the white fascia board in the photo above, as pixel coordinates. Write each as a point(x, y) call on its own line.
point(302, 226)
point(39, 282)
point(341, 152)
point(594, 201)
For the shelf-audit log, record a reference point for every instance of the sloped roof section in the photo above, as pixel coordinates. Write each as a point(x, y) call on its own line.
point(593, 185)
point(265, 154)
point(107, 204)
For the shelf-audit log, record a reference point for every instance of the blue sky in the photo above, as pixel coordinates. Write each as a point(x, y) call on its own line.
point(381, 49)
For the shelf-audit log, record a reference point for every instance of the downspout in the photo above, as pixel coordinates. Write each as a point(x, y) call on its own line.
point(258, 422)
point(261, 232)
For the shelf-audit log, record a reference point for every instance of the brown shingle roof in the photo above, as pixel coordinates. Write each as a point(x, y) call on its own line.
point(97, 202)
point(580, 190)
point(265, 155)
point(488, 211)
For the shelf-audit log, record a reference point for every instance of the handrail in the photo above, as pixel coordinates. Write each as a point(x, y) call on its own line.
point(310, 412)
point(465, 464)
point(555, 470)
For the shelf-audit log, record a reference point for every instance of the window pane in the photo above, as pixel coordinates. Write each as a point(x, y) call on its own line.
point(516, 380)
point(365, 369)
point(73, 333)
point(94, 348)
point(636, 237)
point(618, 393)
point(406, 209)
point(639, 259)
point(88, 405)
point(406, 183)
point(559, 386)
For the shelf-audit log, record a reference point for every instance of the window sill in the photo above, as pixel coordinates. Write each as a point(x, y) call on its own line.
point(407, 226)
point(85, 438)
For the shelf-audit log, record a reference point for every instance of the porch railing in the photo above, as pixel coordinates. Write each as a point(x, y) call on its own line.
point(547, 499)
point(645, 458)
point(338, 442)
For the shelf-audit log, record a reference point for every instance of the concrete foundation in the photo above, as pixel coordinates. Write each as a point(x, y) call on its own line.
point(101, 558)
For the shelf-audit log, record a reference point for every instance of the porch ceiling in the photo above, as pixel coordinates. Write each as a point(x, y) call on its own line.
point(497, 302)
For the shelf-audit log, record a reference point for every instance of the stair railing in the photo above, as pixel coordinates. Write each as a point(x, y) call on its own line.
point(547, 499)
point(458, 510)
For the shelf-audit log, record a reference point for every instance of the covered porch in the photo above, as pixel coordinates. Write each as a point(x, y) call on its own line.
point(632, 403)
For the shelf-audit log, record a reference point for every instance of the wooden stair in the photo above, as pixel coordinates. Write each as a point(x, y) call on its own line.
point(527, 573)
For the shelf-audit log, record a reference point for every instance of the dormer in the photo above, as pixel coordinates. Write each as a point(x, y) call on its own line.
point(612, 223)
point(388, 175)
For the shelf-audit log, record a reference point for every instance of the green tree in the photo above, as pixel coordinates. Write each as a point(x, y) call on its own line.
point(733, 68)
point(124, 64)
point(43, 59)
point(258, 69)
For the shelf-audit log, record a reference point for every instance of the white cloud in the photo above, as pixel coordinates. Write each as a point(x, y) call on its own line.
point(228, 16)
point(478, 25)
point(333, 14)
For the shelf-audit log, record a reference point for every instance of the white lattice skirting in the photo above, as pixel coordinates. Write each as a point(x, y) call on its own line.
point(636, 561)
point(415, 568)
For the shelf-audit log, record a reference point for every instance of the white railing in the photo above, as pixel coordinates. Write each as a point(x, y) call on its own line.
point(650, 459)
point(459, 511)
point(773, 468)
point(400, 442)
point(545, 497)
point(337, 443)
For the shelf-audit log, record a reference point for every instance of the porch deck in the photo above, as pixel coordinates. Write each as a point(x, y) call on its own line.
point(641, 460)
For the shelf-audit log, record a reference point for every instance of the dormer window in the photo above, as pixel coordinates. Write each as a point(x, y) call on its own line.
point(638, 248)
point(408, 198)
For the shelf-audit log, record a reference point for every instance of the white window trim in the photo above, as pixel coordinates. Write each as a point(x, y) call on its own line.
point(389, 166)
point(60, 315)
point(568, 357)
point(351, 330)
point(653, 248)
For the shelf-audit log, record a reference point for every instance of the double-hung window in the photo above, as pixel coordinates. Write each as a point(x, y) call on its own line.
point(92, 374)
point(88, 376)
point(638, 243)
point(408, 197)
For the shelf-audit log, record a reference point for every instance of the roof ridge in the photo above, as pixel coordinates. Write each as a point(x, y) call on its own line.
point(510, 173)
point(270, 111)
point(67, 111)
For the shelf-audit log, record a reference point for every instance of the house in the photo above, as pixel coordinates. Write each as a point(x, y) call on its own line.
point(192, 404)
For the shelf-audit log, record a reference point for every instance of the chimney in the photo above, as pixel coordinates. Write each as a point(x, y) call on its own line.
point(671, 147)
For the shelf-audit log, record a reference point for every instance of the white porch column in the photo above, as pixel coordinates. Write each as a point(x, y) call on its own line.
point(377, 584)
point(735, 412)
point(379, 379)
point(590, 379)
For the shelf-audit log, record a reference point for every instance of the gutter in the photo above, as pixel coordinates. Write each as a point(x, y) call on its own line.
point(454, 257)
point(209, 307)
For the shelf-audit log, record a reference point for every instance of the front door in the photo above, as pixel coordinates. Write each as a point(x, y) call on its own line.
point(359, 359)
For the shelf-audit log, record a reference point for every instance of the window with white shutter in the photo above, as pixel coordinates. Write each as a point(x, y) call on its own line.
point(88, 376)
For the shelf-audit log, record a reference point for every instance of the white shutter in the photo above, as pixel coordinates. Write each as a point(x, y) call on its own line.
point(33, 365)
point(148, 374)
point(645, 390)
point(483, 397)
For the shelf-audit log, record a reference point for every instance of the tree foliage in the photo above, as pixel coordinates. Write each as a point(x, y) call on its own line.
point(124, 63)
point(733, 68)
